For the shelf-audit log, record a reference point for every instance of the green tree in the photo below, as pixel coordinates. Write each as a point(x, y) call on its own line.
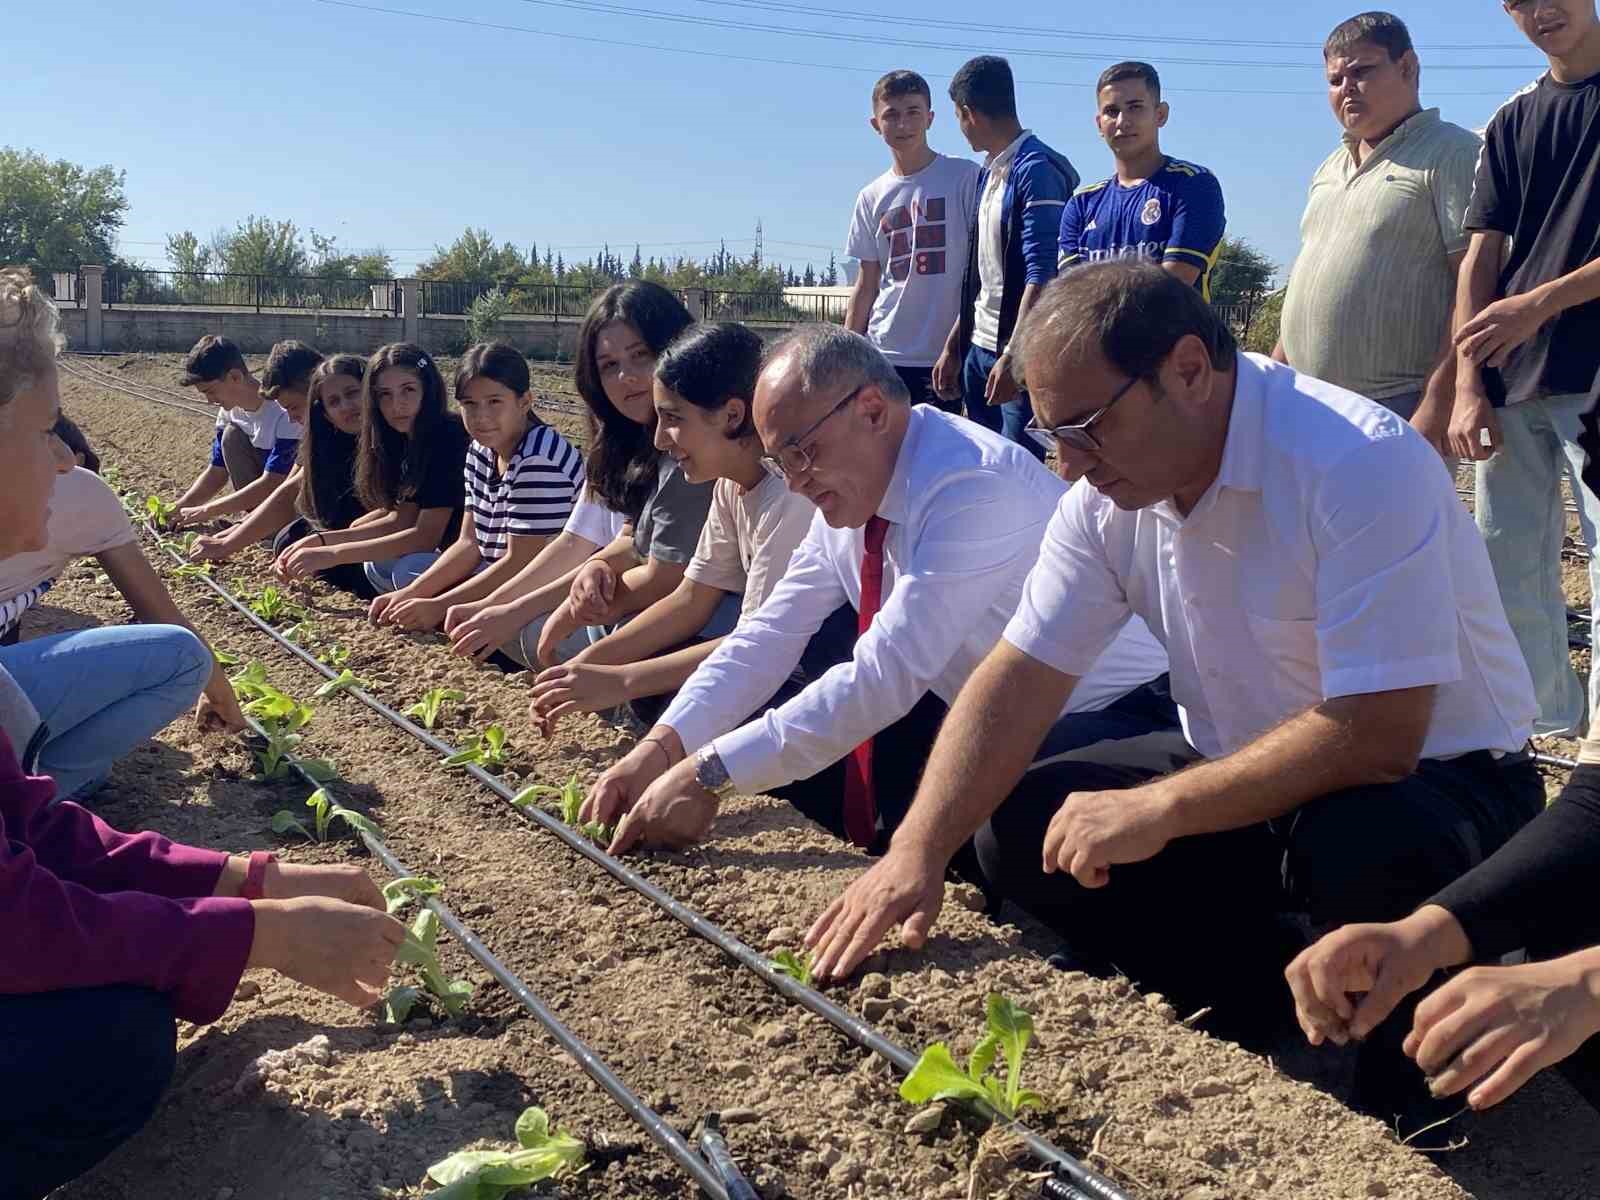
point(329, 262)
point(261, 246)
point(58, 215)
point(1243, 275)
point(1262, 335)
point(474, 257)
point(188, 254)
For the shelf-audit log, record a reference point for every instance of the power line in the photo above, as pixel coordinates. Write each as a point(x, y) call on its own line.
point(1142, 37)
point(1303, 93)
point(879, 39)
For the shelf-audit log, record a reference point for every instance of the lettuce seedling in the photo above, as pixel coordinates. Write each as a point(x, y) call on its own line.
point(224, 658)
point(201, 570)
point(271, 603)
point(336, 657)
point(796, 966)
point(427, 709)
point(325, 812)
point(397, 1005)
point(420, 950)
point(936, 1076)
point(251, 682)
point(160, 511)
point(347, 679)
point(398, 893)
point(486, 749)
point(570, 799)
point(491, 1174)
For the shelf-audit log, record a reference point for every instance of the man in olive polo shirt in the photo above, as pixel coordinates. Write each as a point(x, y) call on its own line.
point(1371, 292)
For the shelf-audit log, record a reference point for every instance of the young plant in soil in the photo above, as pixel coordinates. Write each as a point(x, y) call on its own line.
point(272, 604)
point(420, 950)
point(486, 749)
point(336, 657)
point(160, 511)
point(796, 966)
point(433, 700)
point(570, 800)
point(491, 1174)
point(324, 812)
point(193, 570)
point(936, 1076)
point(347, 679)
point(398, 893)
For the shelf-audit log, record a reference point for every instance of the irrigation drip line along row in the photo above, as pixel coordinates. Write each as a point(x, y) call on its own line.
point(663, 1134)
point(1083, 1183)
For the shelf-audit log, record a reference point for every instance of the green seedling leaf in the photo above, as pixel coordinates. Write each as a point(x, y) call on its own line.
point(346, 679)
point(251, 682)
point(397, 1005)
point(337, 656)
point(319, 769)
point(398, 893)
point(494, 744)
point(433, 700)
point(193, 571)
point(489, 1174)
point(528, 795)
point(1012, 1027)
point(283, 821)
point(795, 966)
point(224, 658)
point(327, 812)
point(160, 511)
point(936, 1077)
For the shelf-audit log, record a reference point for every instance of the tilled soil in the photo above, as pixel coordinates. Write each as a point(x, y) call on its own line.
point(1168, 1111)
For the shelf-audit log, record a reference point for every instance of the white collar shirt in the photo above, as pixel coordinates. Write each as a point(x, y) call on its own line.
point(967, 510)
point(1330, 557)
point(992, 246)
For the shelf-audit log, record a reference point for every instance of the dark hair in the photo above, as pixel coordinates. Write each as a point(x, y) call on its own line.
point(1380, 28)
point(1129, 310)
point(210, 359)
point(388, 463)
point(984, 85)
point(289, 366)
point(326, 451)
point(1130, 70)
point(708, 365)
point(67, 430)
point(622, 458)
point(496, 361)
point(900, 83)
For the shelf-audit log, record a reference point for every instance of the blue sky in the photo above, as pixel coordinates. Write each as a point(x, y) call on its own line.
point(397, 131)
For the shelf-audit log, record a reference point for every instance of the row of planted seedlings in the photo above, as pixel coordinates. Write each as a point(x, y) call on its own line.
point(990, 1084)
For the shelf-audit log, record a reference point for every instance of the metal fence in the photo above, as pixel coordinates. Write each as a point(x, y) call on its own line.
point(453, 298)
point(219, 289)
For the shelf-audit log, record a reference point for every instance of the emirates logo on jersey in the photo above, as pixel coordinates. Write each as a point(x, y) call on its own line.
point(1152, 211)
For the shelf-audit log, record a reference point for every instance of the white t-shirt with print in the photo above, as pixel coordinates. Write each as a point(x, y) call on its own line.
point(915, 227)
point(266, 426)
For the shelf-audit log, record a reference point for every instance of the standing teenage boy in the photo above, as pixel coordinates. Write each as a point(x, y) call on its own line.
point(255, 443)
point(1528, 337)
point(1014, 237)
point(1155, 206)
point(909, 233)
point(1371, 292)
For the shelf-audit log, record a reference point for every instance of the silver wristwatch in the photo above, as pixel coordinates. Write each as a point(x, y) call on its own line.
point(710, 774)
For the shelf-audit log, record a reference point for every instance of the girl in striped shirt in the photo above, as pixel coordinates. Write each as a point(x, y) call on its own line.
point(522, 478)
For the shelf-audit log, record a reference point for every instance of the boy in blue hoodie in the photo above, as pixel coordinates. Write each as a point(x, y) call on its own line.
point(1022, 191)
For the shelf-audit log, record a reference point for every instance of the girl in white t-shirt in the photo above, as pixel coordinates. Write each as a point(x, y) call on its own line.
point(703, 389)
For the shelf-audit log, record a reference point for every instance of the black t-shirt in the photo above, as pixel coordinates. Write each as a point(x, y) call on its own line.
point(443, 476)
point(1539, 181)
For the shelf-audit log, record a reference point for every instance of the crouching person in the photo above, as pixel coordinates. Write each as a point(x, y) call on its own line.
point(927, 525)
point(1354, 707)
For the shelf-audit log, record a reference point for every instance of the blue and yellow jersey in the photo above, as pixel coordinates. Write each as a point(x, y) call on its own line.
point(1174, 216)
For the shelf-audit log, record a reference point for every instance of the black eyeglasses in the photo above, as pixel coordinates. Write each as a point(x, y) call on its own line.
point(1075, 436)
point(791, 459)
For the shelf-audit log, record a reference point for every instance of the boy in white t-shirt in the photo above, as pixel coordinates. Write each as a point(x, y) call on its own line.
point(255, 442)
point(909, 233)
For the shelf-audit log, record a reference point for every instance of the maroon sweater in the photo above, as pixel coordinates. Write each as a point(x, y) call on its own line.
point(83, 906)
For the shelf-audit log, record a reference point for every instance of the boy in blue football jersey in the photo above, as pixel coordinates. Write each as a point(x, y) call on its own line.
point(1154, 207)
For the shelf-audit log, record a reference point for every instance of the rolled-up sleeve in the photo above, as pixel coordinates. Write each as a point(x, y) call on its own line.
point(1382, 558)
point(972, 548)
point(1073, 605)
point(751, 663)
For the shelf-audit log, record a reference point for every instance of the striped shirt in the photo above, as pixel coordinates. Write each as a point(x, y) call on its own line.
point(532, 499)
point(1371, 293)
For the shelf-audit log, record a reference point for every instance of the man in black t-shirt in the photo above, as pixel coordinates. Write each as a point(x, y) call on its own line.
point(1528, 338)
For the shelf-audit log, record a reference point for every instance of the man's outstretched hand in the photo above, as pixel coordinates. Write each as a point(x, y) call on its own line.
point(902, 886)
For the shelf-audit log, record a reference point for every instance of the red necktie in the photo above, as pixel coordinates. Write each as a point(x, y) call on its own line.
point(860, 801)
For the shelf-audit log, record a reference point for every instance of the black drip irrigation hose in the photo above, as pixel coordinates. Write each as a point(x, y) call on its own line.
point(663, 1134)
point(1093, 1185)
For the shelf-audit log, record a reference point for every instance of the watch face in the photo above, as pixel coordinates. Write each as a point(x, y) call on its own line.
point(710, 773)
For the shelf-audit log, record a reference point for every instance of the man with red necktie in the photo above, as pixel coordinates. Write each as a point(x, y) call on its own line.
point(927, 525)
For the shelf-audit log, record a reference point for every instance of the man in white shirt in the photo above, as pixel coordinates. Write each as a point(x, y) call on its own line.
point(908, 232)
point(1354, 706)
point(927, 526)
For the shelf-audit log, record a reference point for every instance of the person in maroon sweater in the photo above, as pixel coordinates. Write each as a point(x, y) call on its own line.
point(105, 937)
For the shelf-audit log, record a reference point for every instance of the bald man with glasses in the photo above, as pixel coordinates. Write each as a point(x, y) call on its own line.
point(926, 527)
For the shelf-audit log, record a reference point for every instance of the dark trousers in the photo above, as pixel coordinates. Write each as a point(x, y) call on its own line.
point(919, 382)
point(84, 1070)
point(347, 577)
point(1202, 921)
point(1010, 418)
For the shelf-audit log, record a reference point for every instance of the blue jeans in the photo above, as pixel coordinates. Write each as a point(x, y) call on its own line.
point(100, 692)
point(1009, 418)
point(393, 574)
point(1523, 521)
point(85, 1069)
